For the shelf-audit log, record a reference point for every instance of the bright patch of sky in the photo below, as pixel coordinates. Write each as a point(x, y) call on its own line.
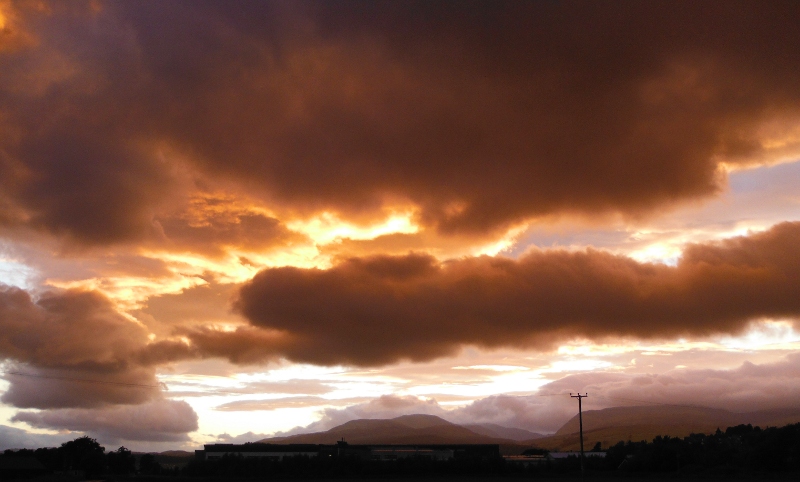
point(767, 335)
point(328, 227)
point(15, 274)
point(755, 200)
point(505, 371)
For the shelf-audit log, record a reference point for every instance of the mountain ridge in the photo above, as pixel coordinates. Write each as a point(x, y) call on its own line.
point(406, 429)
point(636, 423)
point(607, 426)
point(501, 431)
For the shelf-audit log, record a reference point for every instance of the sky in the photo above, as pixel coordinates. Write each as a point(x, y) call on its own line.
point(222, 221)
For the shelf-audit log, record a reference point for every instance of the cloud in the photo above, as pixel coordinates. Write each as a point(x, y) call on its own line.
point(62, 341)
point(75, 357)
point(204, 304)
point(157, 421)
point(536, 413)
point(380, 309)
point(33, 387)
point(16, 438)
point(241, 438)
point(209, 225)
point(747, 388)
point(289, 387)
point(244, 345)
point(477, 116)
point(286, 402)
point(385, 406)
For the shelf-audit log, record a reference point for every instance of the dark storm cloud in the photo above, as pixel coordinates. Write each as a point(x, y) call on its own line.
point(72, 349)
point(381, 309)
point(244, 345)
point(33, 387)
point(480, 113)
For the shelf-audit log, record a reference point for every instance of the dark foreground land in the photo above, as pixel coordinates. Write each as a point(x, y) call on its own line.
point(739, 453)
point(566, 478)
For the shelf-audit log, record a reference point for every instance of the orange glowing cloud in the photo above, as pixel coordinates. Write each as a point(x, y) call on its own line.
point(381, 309)
point(523, 111)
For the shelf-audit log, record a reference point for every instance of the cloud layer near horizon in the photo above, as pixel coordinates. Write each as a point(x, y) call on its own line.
point(477, 116)
point(377, 310)
point(381, 309)
point(156, 421)
point(747, 388)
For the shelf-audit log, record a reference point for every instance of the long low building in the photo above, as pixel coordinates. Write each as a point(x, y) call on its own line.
point(549, 457)
point(368, 452)
point(215, 451)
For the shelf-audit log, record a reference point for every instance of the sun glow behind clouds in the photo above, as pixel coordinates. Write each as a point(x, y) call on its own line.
point(131, 292)
point(328, 227)
point(207, 393)
point(506, 372)
point(764, 335)
point(188, 270)
point(518, 380)
point(505, 243)
point(581, 365)
point(666, 246)
point(497, 368)
point(14, 274)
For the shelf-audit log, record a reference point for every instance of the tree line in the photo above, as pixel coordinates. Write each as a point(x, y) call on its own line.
point(86, 455)
point(742, 449)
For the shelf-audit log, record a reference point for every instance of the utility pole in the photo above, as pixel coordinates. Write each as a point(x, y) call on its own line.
point(580, 421)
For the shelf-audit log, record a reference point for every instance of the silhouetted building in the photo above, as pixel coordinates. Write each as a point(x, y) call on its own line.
point(526, 459)
point(273, 451)
point(343, 449)
point(564, 455)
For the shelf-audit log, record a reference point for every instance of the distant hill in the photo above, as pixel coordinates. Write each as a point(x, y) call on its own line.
point(499, 431)
point(176, 453)
point(611, 425)
point(173, 458)
point(408, 429)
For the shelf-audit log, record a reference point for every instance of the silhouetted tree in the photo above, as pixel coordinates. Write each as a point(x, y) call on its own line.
point(121, 461)
point(149, 465)
point(85, 454)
